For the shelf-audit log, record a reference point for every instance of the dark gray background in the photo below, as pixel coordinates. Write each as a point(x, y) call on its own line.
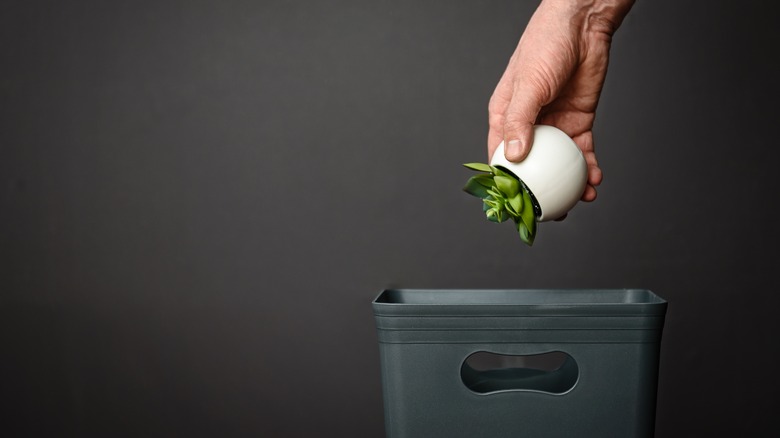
point(199, 200)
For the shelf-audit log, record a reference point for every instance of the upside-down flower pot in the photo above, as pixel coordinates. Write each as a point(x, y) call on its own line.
point(554, 171)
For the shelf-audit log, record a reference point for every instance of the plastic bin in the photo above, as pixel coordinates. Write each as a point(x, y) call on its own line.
point(519, 363)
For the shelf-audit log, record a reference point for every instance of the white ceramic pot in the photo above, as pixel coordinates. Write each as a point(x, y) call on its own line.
point(555, 171)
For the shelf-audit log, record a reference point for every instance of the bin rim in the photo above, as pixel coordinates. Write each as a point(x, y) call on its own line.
point(421, 302)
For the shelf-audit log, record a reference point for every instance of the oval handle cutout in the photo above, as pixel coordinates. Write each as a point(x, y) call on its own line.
point(484, 372)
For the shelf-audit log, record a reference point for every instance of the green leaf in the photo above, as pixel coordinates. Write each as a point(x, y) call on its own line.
point(517, 203)
point(503, 171)
point(510, 204)
point(475, 188)
point(527, 215)
point(504, 197)
point(485, 205)
point(498, 171)
point(508, 185)
point(479, 167)
point(492, 215)
point(525, 234)
point(485, 180)
point(495, 194)
point(496, 215)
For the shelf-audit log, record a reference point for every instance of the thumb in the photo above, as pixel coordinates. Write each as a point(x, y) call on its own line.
point(519, 122)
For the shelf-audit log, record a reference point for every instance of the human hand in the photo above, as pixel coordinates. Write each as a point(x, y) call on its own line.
point(555, 77)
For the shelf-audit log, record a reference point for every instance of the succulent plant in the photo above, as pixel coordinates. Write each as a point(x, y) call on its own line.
point(504, 196)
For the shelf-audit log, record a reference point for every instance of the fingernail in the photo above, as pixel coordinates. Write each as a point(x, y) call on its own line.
point(513, 149)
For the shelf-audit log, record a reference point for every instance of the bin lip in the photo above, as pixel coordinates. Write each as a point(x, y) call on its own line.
point(474, 302)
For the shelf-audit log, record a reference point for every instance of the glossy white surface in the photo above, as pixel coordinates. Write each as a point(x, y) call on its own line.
point(555, 171)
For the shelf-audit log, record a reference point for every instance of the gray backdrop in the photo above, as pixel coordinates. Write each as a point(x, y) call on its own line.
point(199, 200)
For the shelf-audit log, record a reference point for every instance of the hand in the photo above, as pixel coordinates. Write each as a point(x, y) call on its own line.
point(555, 77)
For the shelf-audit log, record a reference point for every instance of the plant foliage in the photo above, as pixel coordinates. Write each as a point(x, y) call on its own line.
point(504, 196)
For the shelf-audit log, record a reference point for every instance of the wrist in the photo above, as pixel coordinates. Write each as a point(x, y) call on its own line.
point(602, 16)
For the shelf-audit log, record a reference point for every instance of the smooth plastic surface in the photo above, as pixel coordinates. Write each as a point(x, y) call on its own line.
point(606, 387)
point(555, 171)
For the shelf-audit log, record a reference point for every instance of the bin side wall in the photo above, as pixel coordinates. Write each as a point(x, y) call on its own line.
point(615, 394)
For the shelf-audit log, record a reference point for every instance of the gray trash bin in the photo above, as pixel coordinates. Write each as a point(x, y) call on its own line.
point(519, 363)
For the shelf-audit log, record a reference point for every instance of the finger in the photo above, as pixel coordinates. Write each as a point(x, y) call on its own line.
point(585, 143)
point(495, 137)
point(589, 194)
point(497, 106)
point(520, 118)
point(594, 177)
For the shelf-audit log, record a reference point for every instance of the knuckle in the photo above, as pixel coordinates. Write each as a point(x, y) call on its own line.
point(512, 125)
point(496, 121)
